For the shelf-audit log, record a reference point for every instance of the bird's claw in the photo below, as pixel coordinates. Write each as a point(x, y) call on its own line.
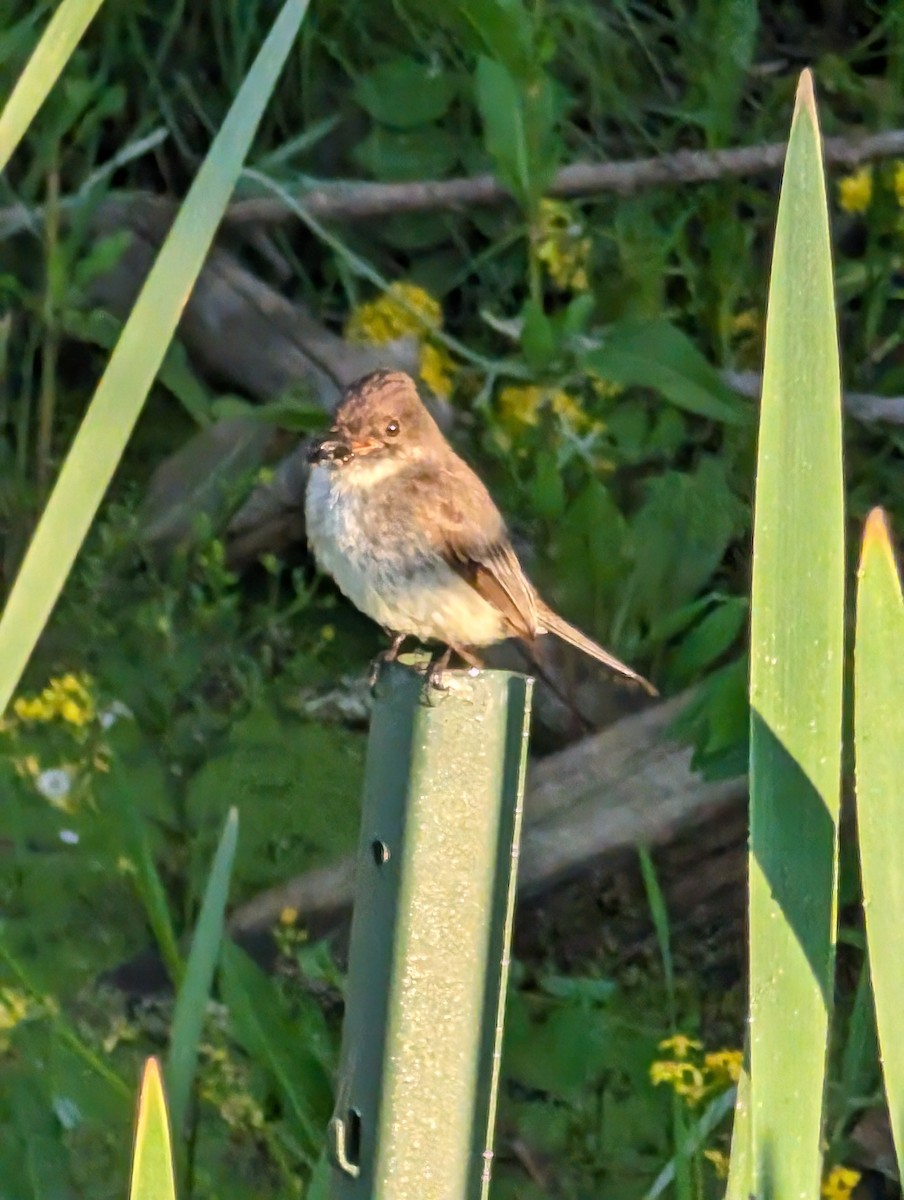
point(390, 654)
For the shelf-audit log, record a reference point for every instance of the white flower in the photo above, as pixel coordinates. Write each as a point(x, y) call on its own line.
point(112, 713)
point(69, 836)
point(54, 784)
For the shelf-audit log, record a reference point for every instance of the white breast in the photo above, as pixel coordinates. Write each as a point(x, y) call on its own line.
point(376, 563)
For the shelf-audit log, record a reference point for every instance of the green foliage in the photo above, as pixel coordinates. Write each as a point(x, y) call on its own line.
point(584, 338)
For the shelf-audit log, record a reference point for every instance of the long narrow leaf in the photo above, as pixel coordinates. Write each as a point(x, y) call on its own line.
point(795, 683)
point(121, 393)
point(879, 749)
point(191, 1003)
point(42, 70)
point(116, 793)
point(152, 1162)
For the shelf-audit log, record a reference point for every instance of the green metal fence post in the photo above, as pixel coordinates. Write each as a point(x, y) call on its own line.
point(430, 937)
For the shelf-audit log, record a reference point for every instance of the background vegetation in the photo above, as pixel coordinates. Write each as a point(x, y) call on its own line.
point(579, 344)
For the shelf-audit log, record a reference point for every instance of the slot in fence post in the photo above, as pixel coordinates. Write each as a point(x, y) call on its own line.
point(430, 937)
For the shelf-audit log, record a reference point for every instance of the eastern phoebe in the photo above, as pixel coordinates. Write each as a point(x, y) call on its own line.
point(411, 535)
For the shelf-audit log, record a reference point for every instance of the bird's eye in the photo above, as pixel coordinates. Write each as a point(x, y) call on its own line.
point(392, 429)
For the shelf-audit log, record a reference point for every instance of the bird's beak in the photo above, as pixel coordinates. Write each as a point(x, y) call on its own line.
point(330, 449)
point(366, 446)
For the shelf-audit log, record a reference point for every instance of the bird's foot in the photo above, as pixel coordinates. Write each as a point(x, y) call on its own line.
point(390, 654)
point(439, 663)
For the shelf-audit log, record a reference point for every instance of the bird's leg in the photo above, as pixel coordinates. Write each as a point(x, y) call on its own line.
point(468, 656)
point(390, 654)
point(398, 640)
point(439, 661)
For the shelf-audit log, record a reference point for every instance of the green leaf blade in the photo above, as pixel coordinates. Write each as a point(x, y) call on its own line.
point(656, 354)
point(879, 746)
point(191, 1002)
point(796, 680)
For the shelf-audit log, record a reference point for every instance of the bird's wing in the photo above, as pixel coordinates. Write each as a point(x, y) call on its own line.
point(493, 571)
point(471, 537)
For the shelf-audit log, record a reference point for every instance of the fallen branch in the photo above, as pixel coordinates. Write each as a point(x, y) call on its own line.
point(348, 201)
point(354, 200)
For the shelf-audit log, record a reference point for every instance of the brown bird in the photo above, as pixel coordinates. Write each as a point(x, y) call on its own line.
point(412, 536)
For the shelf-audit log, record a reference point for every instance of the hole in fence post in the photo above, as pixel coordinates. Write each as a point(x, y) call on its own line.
point(380, 851)
point(353, 1137)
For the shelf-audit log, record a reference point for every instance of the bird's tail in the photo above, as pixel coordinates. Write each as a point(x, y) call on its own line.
point(553, 623)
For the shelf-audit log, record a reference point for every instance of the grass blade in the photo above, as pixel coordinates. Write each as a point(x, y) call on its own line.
point(680, 1166)
point(117, 794)
point(130, 372)
point(879, 748)
point(191, 1002)
point(152, 1161)
point(53, 51)
point(795, 683)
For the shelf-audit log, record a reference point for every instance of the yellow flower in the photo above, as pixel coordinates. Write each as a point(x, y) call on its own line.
point(74, 713)
point(684, 1078)
point(33, 709)
point(288, 916)
point(898, 182)
point(724, 1065)
point(437, 369)
point(562, 246)
point(73, 685)
point(855, 191)
point(567, 408)
point(520, 405)
point(67, 698)
point(746, 321)
point(15, 1007)
point(604, 389)
point(839, 1183)
point(680, 1044)
point(403, 309)
point(719, 1160)
point(406, 310)
point(27, 767)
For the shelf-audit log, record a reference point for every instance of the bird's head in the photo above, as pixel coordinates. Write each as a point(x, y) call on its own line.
point(380, 419)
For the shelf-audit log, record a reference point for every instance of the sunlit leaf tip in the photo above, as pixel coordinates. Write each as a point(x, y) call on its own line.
point(806, 97)
point(877, 537)
point(151, 1090)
